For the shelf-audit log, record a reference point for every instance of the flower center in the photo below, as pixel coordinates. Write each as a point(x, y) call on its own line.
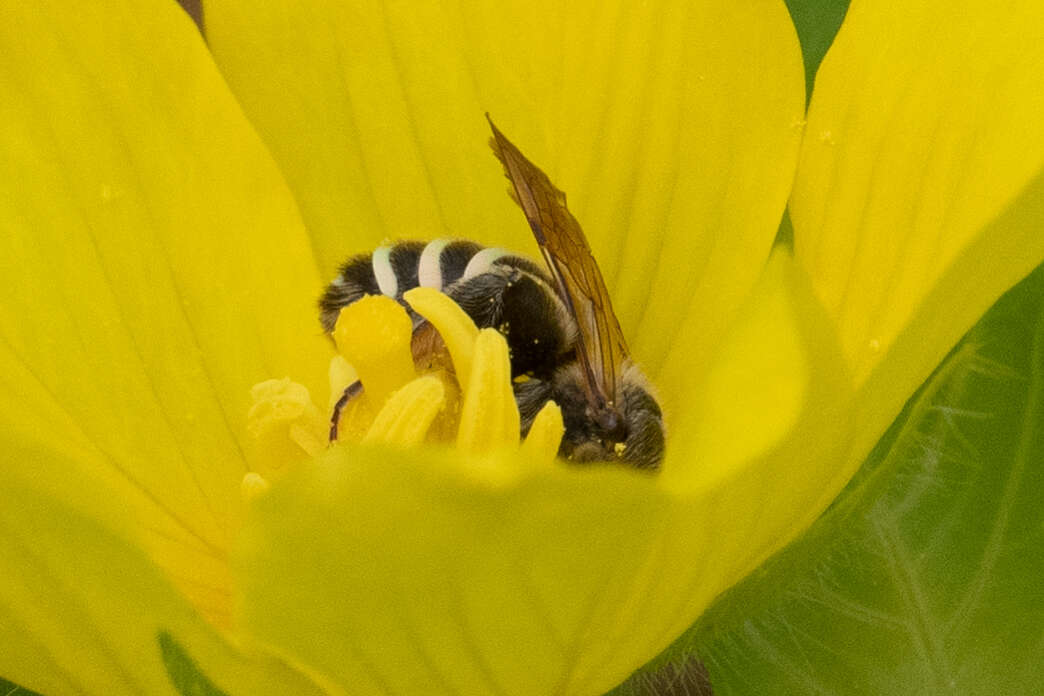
point(443, 382)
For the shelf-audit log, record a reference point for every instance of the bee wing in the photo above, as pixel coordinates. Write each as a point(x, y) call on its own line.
point(601, 345)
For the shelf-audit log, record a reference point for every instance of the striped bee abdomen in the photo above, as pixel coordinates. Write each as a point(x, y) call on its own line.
point(495, 288)
point(388, 270)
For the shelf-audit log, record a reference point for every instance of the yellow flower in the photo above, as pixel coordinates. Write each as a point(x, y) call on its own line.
point(156, 266)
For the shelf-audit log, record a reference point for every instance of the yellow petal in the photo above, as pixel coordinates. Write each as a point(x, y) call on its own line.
point(85, 611)
point(152, 263)
point(755, 389)
point(919, 197)
point(506, 575)
point(672, 126)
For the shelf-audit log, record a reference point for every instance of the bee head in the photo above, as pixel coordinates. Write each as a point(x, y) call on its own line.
point(631, 432)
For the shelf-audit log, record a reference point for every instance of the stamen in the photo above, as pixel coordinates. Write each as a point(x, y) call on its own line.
point(284, 425)
point(489, 417)
point(472, 404)
point(545, 435)
point(457, 329)
point(373, 334)
point(408, 413)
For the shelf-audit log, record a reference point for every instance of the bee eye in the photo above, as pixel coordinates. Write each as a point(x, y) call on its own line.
point(613, 425)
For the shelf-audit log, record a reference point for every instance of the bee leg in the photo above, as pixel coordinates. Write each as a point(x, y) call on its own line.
point(350, 392)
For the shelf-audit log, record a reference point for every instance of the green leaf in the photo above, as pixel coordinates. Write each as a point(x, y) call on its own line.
point(926, 576)
point(11, 689)
point(185, 674)
point(816, 21)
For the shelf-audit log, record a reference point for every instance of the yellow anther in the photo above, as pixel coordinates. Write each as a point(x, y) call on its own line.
point(373, 334)
point(489, 416)
point(545, 435)
point(284, 426)
point(455, 327)
point(408, 413)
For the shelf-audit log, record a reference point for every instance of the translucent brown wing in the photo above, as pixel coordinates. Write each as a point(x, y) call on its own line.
point(602, 348)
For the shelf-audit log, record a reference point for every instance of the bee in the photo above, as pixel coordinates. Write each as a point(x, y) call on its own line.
point(564, 340)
